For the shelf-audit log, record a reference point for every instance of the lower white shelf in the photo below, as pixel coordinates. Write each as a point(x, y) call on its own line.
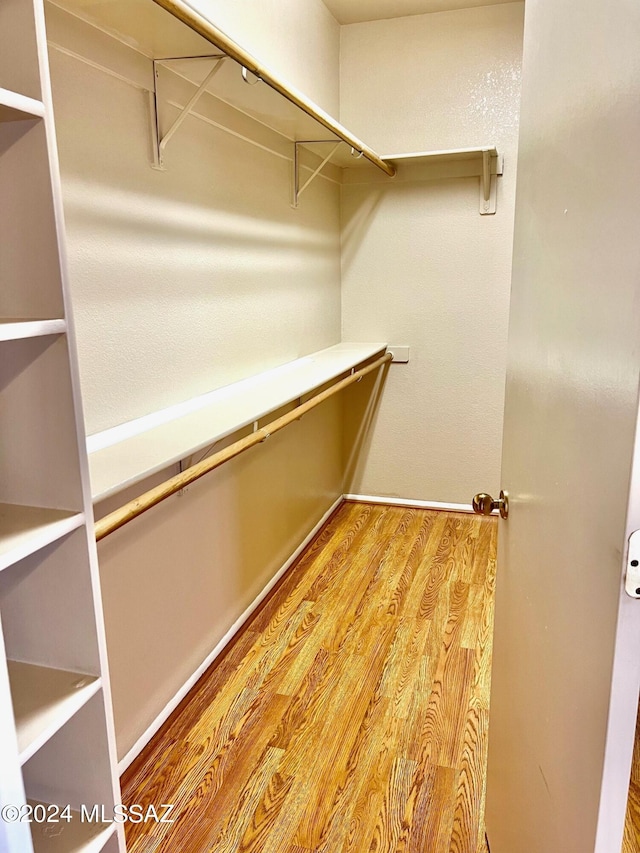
point(124, 455)
point(26, 529)
point(44, 699)
point(73, 836)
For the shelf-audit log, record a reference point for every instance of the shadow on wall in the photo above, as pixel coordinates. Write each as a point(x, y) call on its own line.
point(356, 220)
point(361, 408)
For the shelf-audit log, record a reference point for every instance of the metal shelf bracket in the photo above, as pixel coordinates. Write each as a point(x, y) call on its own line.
point(297, 189)
point(159, 141)
point(489, 181)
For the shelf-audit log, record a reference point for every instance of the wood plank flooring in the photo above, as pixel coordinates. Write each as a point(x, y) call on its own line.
point(350, 715)
point(631, 840)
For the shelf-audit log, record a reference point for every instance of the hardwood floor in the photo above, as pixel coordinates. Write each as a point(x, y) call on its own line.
point(350, 715)
point(631, 841)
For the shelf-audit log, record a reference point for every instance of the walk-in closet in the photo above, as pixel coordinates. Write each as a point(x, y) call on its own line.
point(319, 328)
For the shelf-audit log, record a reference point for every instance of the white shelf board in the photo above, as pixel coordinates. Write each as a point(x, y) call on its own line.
point(429, 165)
point(446, 154)
point(126, 454)
point(15, 328)
point(15, 107)
point(26, 529)
point(141, 24)
point(74, 836)
point(157, 34)
point(44, 699)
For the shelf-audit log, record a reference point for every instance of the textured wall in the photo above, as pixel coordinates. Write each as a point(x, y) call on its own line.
point(183, 281)
point(420, 266)
point(300, 41)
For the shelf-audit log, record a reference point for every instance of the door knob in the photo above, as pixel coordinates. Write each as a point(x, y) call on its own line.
point(484, 504)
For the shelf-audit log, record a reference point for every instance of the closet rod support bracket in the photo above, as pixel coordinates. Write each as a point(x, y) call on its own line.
point(159, 140)
point(297, 188)
point(492, 166)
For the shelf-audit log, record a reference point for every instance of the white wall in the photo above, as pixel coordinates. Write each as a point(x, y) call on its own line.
point(183, 281)
point(420, 266)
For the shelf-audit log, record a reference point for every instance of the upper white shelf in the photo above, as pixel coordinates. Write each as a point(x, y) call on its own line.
point(453, 162)
point(15, 107)
point(172, 29)
point(483, 162)
point(444, 155)
point(126, 454)
point(189, 45)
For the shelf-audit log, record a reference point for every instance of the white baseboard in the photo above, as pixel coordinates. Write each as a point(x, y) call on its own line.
point(170, 707)
point(375, 499)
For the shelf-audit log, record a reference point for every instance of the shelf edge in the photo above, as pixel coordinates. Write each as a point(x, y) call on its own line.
point(29, 107)
point(18, 329)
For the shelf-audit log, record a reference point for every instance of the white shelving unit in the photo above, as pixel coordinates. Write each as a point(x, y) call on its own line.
point(57, 742)
point(126, 454)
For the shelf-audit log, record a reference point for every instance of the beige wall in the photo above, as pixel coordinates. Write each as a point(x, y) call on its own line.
point(183, 281)
point(300, 41)
point(420, 266)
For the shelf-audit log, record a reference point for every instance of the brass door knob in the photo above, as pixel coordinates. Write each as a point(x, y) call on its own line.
point(484, 504)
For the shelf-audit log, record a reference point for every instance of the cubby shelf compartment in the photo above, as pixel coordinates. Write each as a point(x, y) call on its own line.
point(15, 107)
point(16, 328)
point(74, 836)
point(26, 529)
point(126, 454)
point(44, 699)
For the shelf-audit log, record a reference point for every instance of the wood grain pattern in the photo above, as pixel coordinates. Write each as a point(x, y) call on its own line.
point(631, 840)
point(350, 715)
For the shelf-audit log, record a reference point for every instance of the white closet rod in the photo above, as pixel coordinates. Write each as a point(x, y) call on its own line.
point(137, 506)
point(212, 34)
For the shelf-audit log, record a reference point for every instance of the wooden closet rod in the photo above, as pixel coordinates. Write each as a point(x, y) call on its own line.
point(183, 12)
point(137, 506)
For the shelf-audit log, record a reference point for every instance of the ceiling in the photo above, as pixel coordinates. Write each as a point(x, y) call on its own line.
point(353, 11)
